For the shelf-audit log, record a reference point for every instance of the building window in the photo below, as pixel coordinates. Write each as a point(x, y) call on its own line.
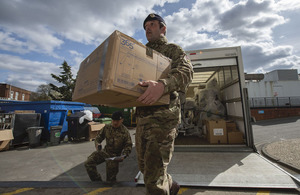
point(23, 97)
point(17, 95)
point(11, 95)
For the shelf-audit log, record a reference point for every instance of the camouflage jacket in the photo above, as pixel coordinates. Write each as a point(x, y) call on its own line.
point(176, 84)
point(118, 140)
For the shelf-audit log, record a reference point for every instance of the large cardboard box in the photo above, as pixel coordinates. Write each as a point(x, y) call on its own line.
point(94, 128)
point(111, 73)
point(216, 131)
point(5, 137)
point(235, 137)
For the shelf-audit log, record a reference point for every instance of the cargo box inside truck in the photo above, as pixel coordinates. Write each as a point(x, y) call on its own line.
point(215, 145)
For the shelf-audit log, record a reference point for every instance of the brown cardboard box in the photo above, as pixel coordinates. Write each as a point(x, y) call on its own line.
point(4, 145)
point(235, 137)
point(5, 137)
point(216, 131)
point(94, 128)
point(231, 126)
point(111, 73)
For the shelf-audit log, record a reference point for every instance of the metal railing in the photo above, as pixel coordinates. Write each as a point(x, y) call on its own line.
point(274, 102)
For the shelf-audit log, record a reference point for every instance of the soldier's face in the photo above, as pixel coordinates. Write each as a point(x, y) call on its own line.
point(153, 31)
point(117, 123)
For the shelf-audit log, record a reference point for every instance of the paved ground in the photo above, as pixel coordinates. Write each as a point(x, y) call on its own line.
point(279, 140)
point(285, 152)
point(59, 170)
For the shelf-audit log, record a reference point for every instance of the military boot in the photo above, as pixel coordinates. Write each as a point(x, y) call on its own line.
point(95, 177)
point(174, 188)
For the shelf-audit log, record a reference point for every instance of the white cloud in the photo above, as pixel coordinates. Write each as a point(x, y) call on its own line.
point(24, 72)
point(46, 28)
point(41, 25)
point(283, 5)
point(77, 59)
point(250, 24)
point(9, 43)
point(25, 40)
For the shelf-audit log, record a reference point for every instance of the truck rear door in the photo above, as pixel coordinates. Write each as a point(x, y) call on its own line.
point(197, 162)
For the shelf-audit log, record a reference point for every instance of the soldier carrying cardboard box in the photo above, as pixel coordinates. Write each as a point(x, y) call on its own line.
point(156, 125)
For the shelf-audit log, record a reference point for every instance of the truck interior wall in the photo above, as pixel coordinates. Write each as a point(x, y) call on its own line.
point(230, 94)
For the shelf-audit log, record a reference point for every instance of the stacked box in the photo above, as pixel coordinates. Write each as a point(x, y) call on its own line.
point(216, 131)
point(235, 137)
point(233, 134)
point(6, 136)
point(231, 126)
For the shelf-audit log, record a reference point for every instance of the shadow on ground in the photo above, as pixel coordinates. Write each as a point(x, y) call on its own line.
point(128, 169)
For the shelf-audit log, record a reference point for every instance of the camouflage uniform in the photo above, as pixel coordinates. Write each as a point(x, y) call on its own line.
point(156, 125)
point(118, 142)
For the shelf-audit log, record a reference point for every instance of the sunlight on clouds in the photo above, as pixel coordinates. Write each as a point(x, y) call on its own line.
point(27, 72)
point(283, 5)
point(77, 58)
point(10, 43)
point(15, 63)
point(45, 28)
point(26, 81)
point(25, 40)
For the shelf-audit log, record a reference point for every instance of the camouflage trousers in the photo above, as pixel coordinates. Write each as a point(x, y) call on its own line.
point(96, 158)
point(154, 148)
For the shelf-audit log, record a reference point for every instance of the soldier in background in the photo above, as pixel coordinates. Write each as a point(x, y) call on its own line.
point(156, 125)
point(118, 144)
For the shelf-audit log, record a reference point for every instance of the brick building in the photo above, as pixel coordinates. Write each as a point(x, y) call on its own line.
point(10, 92)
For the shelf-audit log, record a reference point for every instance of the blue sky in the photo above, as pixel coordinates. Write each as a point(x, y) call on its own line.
point(37, 36)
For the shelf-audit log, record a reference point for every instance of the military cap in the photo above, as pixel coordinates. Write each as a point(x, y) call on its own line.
point(154, 17)
point(118, 115)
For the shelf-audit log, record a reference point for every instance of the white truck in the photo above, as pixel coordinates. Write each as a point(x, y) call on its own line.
point(195, 161)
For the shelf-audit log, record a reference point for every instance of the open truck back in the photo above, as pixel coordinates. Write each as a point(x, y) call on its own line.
point(196, 161)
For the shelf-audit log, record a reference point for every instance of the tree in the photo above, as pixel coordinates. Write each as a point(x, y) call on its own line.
point(66, 78)
point(42, 93)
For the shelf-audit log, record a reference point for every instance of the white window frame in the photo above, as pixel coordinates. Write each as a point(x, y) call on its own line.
point(16, 95)
point(11, 95)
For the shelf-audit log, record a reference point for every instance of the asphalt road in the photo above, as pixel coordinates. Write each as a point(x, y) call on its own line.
point(269, 131)
point(59, 169)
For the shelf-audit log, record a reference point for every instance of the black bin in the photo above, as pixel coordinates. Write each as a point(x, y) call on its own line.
point(55, 135)
point(21, 122)
point(76, 131)
point(34, 136)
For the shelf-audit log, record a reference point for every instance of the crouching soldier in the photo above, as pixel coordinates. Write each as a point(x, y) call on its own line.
point(118, 144)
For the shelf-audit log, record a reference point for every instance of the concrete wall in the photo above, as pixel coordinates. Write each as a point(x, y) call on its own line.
point(282, 75)
point(273, 88)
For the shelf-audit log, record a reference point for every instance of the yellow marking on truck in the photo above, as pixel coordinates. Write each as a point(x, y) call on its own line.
point(181, 190)
point(97, 191)
point(18, 191)
point(263, 192)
